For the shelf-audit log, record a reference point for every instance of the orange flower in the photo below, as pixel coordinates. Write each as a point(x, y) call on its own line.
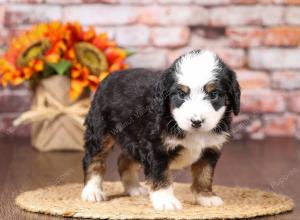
point(52, 57)
point(52, 45)
point(102, 42)
point(103, 75)
point(8, 74)
point(93, 82)
point(89, 34)
point(79, 80)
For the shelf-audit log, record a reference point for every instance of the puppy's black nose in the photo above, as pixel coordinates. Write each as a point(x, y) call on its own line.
point(196, 123)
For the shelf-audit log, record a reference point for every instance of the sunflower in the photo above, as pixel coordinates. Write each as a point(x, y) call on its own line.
point(69, 50)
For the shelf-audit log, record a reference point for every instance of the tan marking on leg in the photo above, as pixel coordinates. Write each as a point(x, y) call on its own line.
point(128, 170)
point(129, 173)
point(154, 186)
point(97, 165)
point(202, 174)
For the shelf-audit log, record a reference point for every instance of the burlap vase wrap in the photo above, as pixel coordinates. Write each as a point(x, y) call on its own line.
point(56, 122)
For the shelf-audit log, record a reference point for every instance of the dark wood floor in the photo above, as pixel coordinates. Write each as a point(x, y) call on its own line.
point(272, 165)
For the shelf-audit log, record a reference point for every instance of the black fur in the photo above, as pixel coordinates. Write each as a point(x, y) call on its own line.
point(134, 107)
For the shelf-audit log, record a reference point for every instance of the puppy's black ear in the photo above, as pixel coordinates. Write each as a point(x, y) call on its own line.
point(234, 93)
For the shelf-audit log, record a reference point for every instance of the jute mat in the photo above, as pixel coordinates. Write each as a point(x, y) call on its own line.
point(238, 203)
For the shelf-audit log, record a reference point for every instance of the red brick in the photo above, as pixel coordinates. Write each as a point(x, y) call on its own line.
point(110, 31)
point(173, 15)
point(7, 128)
point(274, 58)
point(255, 129)
point(290, 2)
point(244, 2)
point(298, 129)
point(16, 102)
point(22, 88)
point(235, 58)
point(286, 80)
point(174, 54)
point(232, 2)
point(294, 101)
point(282, 2)
point(262, 100)
point(206, 37)
point(244, 36)
point(170, 36)
point(238, 126)
point(197, 41)
point(278, 36)
point(138, 2)
point(280, 125)
point(249, 79)
point(101, 14)
point(25, 1)
point(14, 31)
point(174, 1)
point(245, 15)
point(292, 15)
point(19, 14)
point(149, 58)
point(245, 126)
point(65, 2)
point(137, 35)
point(2, 14)
point(211, 2)
point(3, 36)
point(282, 36)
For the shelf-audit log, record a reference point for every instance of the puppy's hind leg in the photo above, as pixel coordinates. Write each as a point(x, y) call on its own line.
point(129, 173)
point(97, 145)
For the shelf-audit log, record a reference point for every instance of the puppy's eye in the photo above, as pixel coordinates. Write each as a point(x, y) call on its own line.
point(181, 94)
point(182, 91)
point(214, 95)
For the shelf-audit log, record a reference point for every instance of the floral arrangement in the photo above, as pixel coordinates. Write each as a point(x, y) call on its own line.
point(62, 49)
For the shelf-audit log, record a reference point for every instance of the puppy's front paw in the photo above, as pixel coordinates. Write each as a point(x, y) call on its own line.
point(137, 191)
point(92, 193)
point(209, 200)
point(164, 199)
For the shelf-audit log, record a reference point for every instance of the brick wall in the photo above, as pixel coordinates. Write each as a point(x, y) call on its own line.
point(258, 38)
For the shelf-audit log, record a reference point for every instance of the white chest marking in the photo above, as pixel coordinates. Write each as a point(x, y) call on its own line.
point(193, 144)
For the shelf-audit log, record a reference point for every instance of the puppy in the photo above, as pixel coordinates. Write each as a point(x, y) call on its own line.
point(162, 121)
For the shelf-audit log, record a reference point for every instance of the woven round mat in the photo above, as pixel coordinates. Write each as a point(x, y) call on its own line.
point(238, 203)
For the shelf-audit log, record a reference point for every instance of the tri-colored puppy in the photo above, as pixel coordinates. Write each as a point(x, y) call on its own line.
point(162, 121)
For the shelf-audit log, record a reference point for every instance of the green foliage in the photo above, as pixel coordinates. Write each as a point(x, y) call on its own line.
point(61, 68)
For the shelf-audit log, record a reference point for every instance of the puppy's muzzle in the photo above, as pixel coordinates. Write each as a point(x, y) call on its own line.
point(197, 123)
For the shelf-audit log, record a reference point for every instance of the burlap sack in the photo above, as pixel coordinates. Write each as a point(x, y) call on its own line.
point(57, 123)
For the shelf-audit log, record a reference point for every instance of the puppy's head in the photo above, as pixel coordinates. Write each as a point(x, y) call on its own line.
point(203, 88)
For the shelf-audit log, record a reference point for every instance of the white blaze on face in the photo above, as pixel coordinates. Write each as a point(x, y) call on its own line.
point(195, 70)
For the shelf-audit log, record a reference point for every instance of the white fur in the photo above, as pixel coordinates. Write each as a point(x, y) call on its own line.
point(194, 144)
point(195, 70)
point(92, 190)
point(137, 190)
point(209, 200)
point(164, 199)
point(197, 108)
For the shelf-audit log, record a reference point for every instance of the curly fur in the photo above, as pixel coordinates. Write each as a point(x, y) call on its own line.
point(135, 107)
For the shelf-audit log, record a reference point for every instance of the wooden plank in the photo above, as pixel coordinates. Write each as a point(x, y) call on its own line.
point(272, 164)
